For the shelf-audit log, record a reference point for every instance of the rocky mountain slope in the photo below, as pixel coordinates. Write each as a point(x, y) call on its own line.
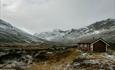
point(11, 34)
point(102, 29)
point(52, 36)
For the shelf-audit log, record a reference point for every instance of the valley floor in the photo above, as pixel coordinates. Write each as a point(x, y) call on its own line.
point(77, 60)
point(66, 59)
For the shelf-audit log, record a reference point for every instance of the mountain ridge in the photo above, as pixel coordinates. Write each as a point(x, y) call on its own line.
point(11, 34)
point(101, 29)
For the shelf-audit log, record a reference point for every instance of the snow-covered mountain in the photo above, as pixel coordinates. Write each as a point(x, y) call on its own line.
point(11, 34)
point(101, 29)
point(55, 35)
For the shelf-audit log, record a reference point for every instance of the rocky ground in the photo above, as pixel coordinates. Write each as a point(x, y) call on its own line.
point(94, 61)
point(61, 59)
point(79, 60)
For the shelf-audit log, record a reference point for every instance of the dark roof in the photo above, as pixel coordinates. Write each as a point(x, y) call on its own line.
point(93, 40)
point(89, 40)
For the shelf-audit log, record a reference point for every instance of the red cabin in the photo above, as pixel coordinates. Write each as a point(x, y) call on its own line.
point(98, 45)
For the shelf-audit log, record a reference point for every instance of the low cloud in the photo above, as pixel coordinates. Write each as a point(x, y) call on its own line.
point(46, 15)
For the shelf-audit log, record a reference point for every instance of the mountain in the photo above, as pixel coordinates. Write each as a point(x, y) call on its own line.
point(52, 36)
point(11, 34)
point(102, 29)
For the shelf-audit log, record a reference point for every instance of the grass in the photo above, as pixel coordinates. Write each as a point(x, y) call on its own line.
point(56, 62)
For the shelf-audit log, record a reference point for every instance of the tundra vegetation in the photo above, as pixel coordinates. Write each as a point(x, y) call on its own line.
point(55, 58)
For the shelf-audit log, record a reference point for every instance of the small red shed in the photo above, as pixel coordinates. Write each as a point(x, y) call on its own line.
point(97, 45)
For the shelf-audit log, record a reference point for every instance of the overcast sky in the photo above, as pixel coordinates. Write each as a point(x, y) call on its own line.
point(46, 15)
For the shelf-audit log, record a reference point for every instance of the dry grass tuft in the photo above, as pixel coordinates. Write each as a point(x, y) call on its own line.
point(57, 62)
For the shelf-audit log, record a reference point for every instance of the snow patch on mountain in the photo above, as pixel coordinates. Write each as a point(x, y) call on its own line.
point(11, 34)
point(104, 29)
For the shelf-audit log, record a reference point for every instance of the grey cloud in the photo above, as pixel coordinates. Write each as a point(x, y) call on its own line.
point(44, 15)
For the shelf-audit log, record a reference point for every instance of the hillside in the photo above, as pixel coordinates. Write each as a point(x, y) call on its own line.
point(11, 34)
point(102, 29)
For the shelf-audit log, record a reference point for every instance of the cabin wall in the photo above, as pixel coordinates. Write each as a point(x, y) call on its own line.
point(84, 47)
point(91, 47)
